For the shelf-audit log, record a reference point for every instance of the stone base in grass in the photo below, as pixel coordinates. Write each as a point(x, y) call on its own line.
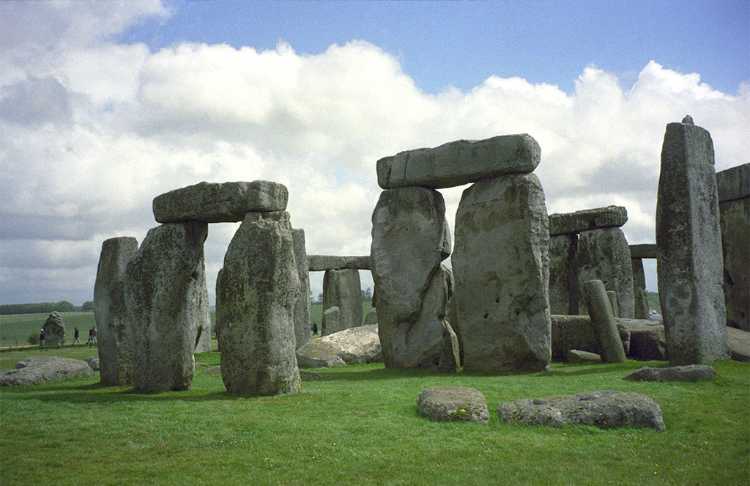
point(453, 404)
point(674, 373)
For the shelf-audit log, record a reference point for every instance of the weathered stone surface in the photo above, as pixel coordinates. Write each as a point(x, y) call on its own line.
point(735, 237)
point(302, 322)
point(501, 264)
point(319, 354)
point(645, 250)
point(371, 318)
point(733, 183)
point(217, 203)
point(603, 409)
point(603, 320)
point(739, 344)
point(219, 284)
point(577, 332)
point(674, 373)
point(93, 363)
point(460, 162)
point(54, 329)
point(456, 403)
point(418, 342)
point(203, 315)
point(356, 345)
point(33, 371)
point(604, 255)
point(612, 297)
point(408, 238)
point(165, 296)
point(317, 263)
point(332, 318)
point(563, 282)
point(259, 287)
point(342, 289)
point(640, 298)
point(647, 339)
point(450, 354)
point(690, 266)
point(578, 356)
point(586, 220)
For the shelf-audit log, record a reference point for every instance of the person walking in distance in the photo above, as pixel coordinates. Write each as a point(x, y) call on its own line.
point(76, 336)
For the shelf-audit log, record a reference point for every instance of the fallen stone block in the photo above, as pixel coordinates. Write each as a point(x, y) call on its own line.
point(578, 356)
point(739, 344)
point(449, 404)
point(673, 373)
point(355, 345)
point(33, 371)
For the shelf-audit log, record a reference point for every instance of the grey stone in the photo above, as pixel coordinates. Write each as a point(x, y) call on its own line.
point(612, 297)
point(603, 320)
point(371, 318)
point(93, 362)
point(604, 409)
point(319, 354)
point(317, 263)
point(739, 344)
point(33, 371)
point(586, 220)
point(114, 332)
point(640, 297)
point(734, 183)
point(460, 162)
point(54, 330)
point(302, 326)
point(604, 255)
point(219, 284)
point(563, 283)
point(450, 354)
point(735, 238)
point(219, 202)
point(342, 289)
point(577, 332)
point(455, 403)
point(203, 315)
point(645, 250)
point(674, 373)
point(165, 297)
point(259, 287)
point(356, 345)
point(578, 356)
point(501, 264)
point(332, 318)
point(690, 265)
point(647, 340)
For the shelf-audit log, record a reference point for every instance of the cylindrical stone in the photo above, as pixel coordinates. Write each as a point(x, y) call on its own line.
point(603, 320)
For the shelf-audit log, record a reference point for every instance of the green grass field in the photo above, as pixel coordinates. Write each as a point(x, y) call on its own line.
point(358, 425)
point(15, 329)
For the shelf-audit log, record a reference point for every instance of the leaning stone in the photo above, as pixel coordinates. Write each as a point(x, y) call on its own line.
point(646, 250)
point(342, 289)
point(164, 294)
point(218, 203)
point(612, 297)
point(577, 332)
point(586, 220)
point(674, 373)
point(603, 319)
point(448, 404)
point(604, 255)
point(54, 329)
point(733, 183)
point(33, 371)
point(501, 264)
point(259, 287)
point(603, 409)
point(563, 283)
point(577, 356)
point(450, 354)
point(317, 263)
point(739, 344)
point(302, 327)
point(460, 162)
point(689, 267)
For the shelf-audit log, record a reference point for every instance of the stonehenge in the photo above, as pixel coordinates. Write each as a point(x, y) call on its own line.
point(302, 324)
point(318, 263)
point(342, 289)
point(690, 264)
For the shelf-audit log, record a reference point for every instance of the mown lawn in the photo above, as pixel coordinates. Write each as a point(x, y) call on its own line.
point(358, 425)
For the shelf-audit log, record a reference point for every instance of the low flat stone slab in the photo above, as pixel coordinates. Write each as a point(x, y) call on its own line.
point(739, 344)
point(604, 409)
point(354, 345)
point(674, 373)
point(588, 219)
point(448, 404)
point(460, 162)
point(578, 356)
point(321, 263)
point(219, 202)
point(734, 183)
point(645, 250)
point(33, 371)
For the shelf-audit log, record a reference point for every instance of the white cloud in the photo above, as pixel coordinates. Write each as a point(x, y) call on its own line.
point(127, 124)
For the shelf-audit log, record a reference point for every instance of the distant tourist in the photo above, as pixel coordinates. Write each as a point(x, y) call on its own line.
point(76, 336)
point(315, 328)
point(92, 337)
point(41, 338)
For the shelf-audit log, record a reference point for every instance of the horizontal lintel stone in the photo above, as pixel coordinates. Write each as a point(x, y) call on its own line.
point(588, 219)
point(320, 263)
point(734, 183)
point(646, 250)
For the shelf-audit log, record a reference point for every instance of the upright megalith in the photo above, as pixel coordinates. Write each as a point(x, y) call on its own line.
point(501, 266)
point(342, 289)
point(302, 326)
point(734, 208)
point(164, 294)
point(114, 331)
point(563, 280)
point(54, 329)
point(640, 298)
point(604, 254)
point(690, 264)
point(409, 240)
point(258, 290)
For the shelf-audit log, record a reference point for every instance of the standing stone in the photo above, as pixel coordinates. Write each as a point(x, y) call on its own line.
point(342, 289)
point(164, 289)
point(640, 298)
point(203, 332)
point(114, 333)
point(563, 284)
point(219, 284)
point(331, 317)
point(690, 264)
point(612, 297)
point(302, 326)
point(501, 264)
point(604, 254)
point(734, 206)
point(54, 329)
point(603, 320)
point(259, 288)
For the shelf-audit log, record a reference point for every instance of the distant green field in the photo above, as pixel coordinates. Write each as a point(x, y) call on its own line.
point(15, 329)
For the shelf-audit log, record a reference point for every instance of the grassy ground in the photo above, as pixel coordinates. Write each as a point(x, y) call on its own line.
point(15, 329)
point(358, 425)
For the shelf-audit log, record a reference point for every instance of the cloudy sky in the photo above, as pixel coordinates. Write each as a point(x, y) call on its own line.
point(105, 105)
